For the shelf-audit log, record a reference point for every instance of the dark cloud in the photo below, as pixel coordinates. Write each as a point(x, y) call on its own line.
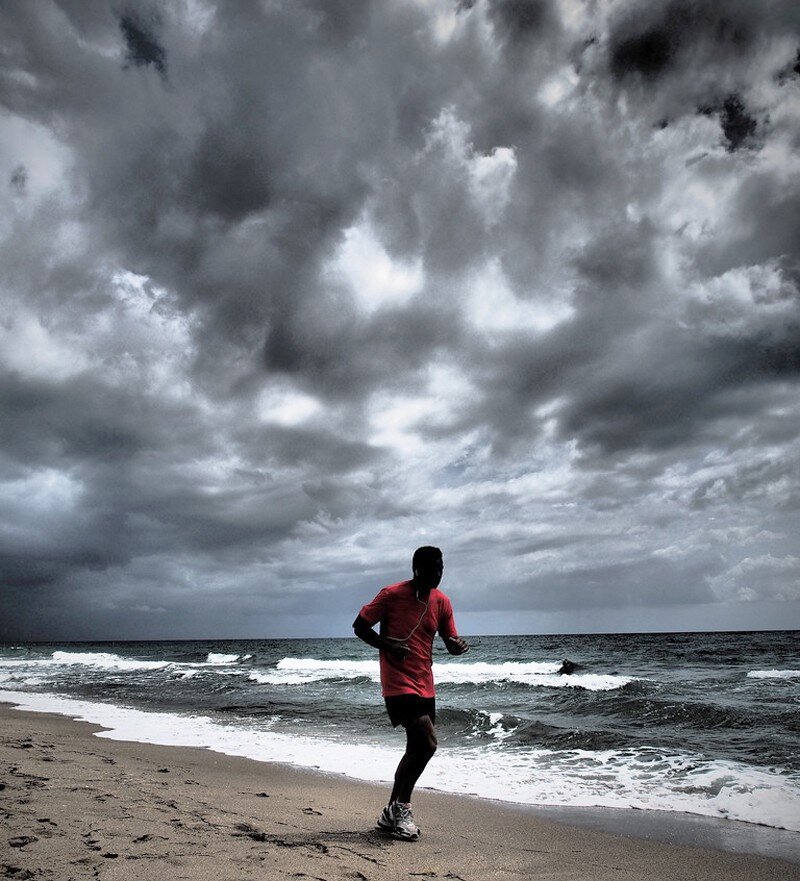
point(341, 20)
point(648, 54)
point(631, 583)
point(673, 57)
point(763, 228)
point(767, 479)
point(519, 19)
point(339, 354)
point(19, 180)
point(228, 176)
point(90, 20)
point(738, 126)
point(295, 287)
point(78, 419)
point(329, 453)
point(683, 387)
point(649, 39)
point(141, 45)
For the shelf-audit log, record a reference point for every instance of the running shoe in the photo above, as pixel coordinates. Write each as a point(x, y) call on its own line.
point(386, 819)
point(397, 819)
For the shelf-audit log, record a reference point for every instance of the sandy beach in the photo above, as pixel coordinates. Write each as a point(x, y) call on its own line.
point(78, 806)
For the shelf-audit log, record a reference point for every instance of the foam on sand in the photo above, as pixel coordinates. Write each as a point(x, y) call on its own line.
point(639, 777)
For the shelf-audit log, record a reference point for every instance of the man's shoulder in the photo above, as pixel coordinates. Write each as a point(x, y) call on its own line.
point(445, 606)
point(396, 588)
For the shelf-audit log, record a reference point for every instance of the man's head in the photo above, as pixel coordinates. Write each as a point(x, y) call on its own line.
point(428, 566)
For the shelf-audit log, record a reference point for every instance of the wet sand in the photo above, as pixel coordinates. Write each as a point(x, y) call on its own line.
point(77, 806)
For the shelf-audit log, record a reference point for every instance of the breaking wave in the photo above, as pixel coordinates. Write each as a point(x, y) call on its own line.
point(298, 671)
point(106, 661)
point(222, 658)
point(773, 674)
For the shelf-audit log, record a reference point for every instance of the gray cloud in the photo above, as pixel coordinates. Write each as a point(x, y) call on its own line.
point(294, 289)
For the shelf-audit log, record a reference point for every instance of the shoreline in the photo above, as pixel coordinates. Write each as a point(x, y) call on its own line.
point(467, 836)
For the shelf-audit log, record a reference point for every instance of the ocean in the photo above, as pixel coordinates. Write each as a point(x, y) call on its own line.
point(698, 723)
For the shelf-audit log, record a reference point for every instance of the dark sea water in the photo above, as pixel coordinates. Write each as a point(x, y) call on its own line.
point(698, 723)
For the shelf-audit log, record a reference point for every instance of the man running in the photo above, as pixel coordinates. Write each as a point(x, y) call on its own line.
point(410, 614)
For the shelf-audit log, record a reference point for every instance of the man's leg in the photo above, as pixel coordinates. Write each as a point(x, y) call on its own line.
point(420, 746)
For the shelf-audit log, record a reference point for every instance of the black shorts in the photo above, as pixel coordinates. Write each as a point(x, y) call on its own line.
point(405, 708)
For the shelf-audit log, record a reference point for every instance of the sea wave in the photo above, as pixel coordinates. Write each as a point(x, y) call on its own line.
point(218, 662)
point(107, 661)
point(773, 674)
point(223, 658)
point(496, 725)
point(95, 660)
point(640, 777)
point(478, 724)
point(22, 678)
point(297, 671)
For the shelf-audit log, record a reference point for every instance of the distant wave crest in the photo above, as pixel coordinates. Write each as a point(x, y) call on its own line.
point(222, 658)
point(218, 663)
point(107, 661)
point(297, 671)
point(773, 674)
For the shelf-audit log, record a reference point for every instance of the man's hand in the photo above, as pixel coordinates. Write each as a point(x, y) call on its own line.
point(456, 645)
point(395, 647)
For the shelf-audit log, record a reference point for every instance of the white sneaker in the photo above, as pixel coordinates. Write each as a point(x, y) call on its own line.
point(386, 819)
point(398, 820)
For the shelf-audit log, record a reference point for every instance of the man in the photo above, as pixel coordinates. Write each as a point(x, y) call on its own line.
point(410, 614)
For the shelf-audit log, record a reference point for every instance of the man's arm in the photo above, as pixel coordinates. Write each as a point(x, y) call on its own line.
point(447, 630)
point(393, 646)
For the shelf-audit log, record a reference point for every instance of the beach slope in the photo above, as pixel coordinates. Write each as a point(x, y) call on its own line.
point(76, 806)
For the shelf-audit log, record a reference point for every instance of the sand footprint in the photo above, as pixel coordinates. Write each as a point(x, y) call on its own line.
point(21, 841)
point(248, 831)
point(17, 873)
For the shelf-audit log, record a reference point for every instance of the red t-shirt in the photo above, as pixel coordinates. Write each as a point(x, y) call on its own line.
point(399, 612)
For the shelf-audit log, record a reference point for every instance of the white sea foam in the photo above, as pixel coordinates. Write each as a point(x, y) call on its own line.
point(116, 663)
point(296, 671)
point(18, 672)
point(773, 674)
point(496, 728)
point(93, 660)
point(106, 661)
point(23, 663)
point(222, 658)
point(633, 778)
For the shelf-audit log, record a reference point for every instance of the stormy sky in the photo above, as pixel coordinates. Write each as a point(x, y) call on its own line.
point(292, 288)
